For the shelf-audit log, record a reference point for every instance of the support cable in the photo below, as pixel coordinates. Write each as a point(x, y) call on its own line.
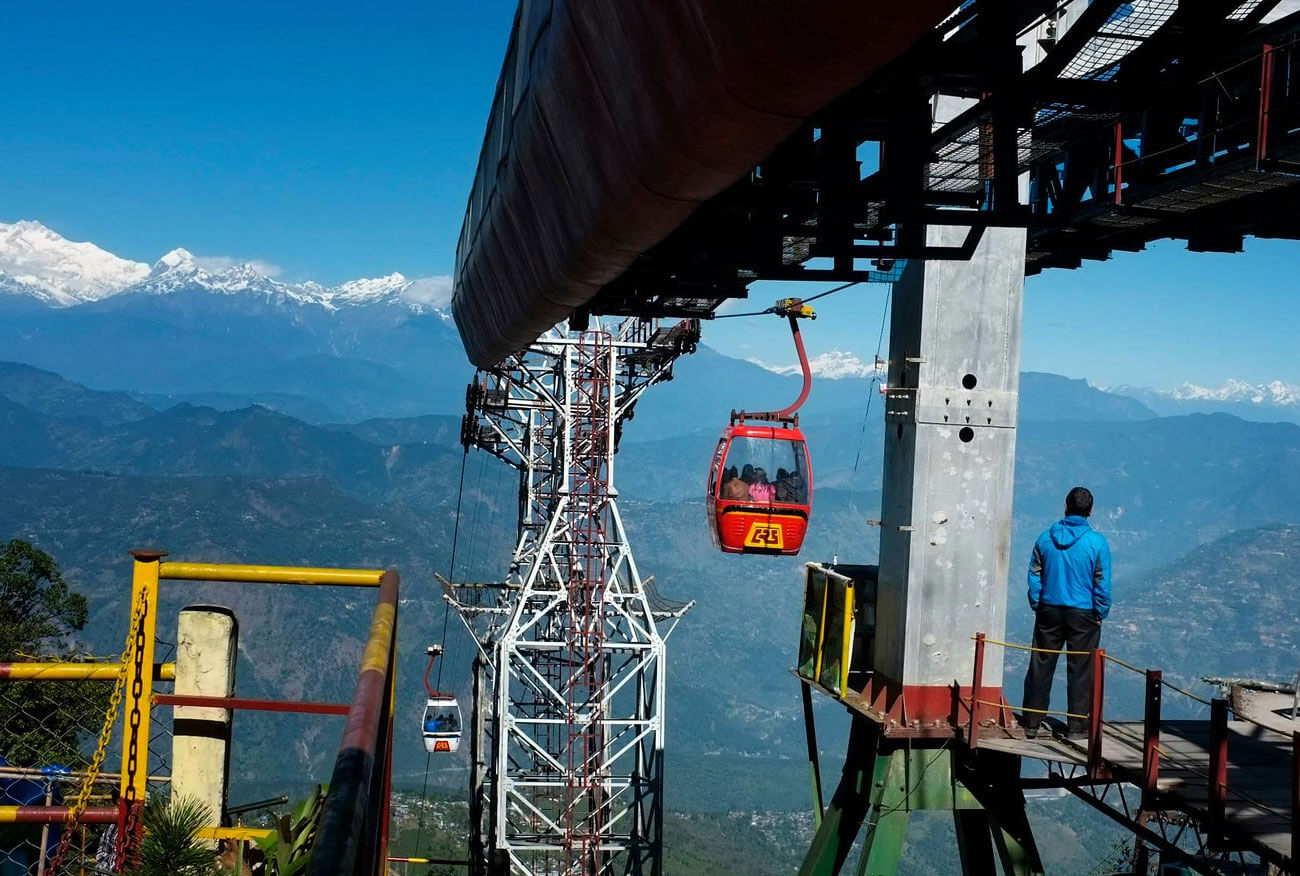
point(451, 573)
point(875, 381)
point(772, 309)
point(424, 798)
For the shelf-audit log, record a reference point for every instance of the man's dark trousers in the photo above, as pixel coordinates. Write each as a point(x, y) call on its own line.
point(1057, 627)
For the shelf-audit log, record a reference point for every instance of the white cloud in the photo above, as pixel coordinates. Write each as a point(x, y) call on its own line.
point(214, 264)
point(429, 291)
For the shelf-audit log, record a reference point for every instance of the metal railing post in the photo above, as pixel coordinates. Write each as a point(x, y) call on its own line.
point(976, 684)
point(139, 681)
point(1265, 105)
point(1295, 797)
point(1151, 739)
point(1119, 163)
point(349, 840)
point(1217, 792)
point(1095, 716)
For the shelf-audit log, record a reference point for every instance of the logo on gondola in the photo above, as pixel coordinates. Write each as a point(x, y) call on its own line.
point(442, 745)
point(765, 537)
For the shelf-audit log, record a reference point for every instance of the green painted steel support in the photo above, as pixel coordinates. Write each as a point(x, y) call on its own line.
point(848, 807)
point(988, 812)
point(882, 847)
point(1015, 839)
point(974, 840)
point(989, 777)
point(814, 761)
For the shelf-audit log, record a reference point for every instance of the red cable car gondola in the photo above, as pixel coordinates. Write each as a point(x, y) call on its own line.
point(760, 484)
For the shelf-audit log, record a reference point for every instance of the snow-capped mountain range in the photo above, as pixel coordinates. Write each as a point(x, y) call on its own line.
point(1235, 396)
point(38, 262)
point(833, 364)
point(1273, 393)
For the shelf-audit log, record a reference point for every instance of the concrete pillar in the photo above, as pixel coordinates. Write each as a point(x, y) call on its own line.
point(950, 441)
point(206, 642)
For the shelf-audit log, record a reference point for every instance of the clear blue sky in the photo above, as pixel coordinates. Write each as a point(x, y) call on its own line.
point(339, 140)
point(334, 139)
point(1157, 318)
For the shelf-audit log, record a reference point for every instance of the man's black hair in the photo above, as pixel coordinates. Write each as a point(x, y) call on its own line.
point(1078, 503)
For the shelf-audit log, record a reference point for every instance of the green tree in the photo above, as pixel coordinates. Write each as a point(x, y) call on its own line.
point(36, 605)
point(43, 722)
point(170, 845)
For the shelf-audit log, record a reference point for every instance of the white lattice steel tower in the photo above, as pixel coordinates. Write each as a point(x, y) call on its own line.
point(569, 687)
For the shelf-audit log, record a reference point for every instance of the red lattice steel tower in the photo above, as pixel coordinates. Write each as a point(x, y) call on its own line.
point(571, 701)
point(592, 415)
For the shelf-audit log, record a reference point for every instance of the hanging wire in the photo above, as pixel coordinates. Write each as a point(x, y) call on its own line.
point(424, 802)
point(451, 571)
point(772, 309)
point(475, 547)
point(875, 380)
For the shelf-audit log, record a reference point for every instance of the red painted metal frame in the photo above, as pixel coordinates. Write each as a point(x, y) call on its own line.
point(1265, 104)
point(1096, 716)
point(976, 689)
point(58, 814)
point(251, 705)
point(1119, 163)
point(1295, 798)
point(804, 367)
point(1218, 782)
point(592, 412)
point(1151, 739)
point(434, 693)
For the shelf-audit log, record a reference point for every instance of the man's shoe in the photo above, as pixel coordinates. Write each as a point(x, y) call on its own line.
point(1031, 732)
point(1077, 734)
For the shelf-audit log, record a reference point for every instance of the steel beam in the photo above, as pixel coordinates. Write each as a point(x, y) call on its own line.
point(950, 418)
point(571, 690)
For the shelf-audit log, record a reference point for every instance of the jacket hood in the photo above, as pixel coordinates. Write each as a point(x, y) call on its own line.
point(1066, 531)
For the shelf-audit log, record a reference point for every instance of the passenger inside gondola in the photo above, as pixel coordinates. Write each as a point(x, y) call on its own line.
point(442, 721)
point(760, 490)
point(753, 484)
point(790, 487)
point(734, 486)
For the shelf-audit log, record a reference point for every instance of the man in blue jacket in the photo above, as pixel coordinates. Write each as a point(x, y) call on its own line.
point(1069, 593)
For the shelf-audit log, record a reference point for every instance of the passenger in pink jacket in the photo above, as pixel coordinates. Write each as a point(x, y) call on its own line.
point(760, 490)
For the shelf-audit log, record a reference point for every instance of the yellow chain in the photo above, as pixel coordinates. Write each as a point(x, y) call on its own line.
point(110, 716)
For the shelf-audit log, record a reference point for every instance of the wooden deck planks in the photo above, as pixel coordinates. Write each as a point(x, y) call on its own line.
point(1258, 806)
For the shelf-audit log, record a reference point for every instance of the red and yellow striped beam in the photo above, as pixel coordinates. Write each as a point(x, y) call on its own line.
point(55, 814)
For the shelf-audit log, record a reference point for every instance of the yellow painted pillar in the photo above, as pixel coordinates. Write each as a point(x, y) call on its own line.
point(139, 677)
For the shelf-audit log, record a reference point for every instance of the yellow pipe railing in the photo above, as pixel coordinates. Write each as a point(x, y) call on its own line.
point(149, 570)
point(269, 574)
point(76, 671)
point(234, 833)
